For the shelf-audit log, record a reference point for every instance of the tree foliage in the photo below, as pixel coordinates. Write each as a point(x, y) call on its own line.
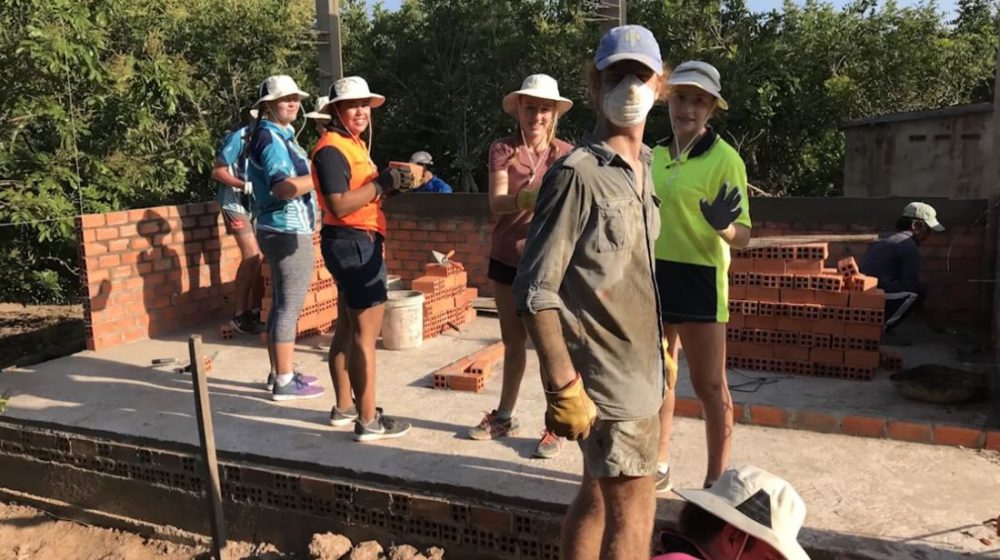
point(111, 104)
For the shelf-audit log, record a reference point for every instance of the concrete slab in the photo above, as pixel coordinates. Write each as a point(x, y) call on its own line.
point(875, 497)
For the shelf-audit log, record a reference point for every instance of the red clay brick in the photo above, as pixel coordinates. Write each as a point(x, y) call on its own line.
point(792, 353)
point(862, 283)
point(763, 415)
point(993, 440)
point(909, 431)
point(116, 218)
point(815, 421)
point(88, 221)
point(828, 326)
point(756, 293)
point(687, 407)
point(864, 426)
point(768, 266)
point(103, 234)
point(862, 358)
point(794, 325)
point(871, 299)
point(146, 228)
point(737, 292)
point(833, 299)
point(797, 266)
point(108, 261)
point(866, 331)
point(117, 245)
point(826, 356)
point(740, 265)
point(797, 296)
point(958, 437)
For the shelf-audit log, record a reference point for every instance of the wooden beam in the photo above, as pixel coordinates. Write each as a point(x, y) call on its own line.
point(206, 434)
point(779, 240)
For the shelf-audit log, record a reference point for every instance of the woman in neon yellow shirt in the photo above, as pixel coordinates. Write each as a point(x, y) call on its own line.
point(702, 183)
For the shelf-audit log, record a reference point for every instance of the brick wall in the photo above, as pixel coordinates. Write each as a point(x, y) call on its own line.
point(150, 271)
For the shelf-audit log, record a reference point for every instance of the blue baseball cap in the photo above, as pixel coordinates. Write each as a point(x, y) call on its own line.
point(629, 42)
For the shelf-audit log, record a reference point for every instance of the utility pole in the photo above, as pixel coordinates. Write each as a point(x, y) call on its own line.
point(331, 65)
point(611, 13)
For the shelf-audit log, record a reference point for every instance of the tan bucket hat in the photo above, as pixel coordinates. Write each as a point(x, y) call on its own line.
point(542, 86)
point(353, 87)
point(318, 114)
point(278, 86)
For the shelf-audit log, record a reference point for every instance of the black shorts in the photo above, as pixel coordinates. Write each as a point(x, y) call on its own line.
point(688, 292)
point(354, 259)
point(501, 273)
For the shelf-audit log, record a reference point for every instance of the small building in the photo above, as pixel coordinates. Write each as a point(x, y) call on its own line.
point(936, 153)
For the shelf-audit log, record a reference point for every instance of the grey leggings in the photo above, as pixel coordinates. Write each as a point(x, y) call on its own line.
point(292, 260)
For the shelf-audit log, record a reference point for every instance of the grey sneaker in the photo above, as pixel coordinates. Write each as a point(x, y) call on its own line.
point(663, 481)
point(295, 390)
point(340, 418)
point(491, 427)
point(382, 427)
point(549, 446)
point(307, 379)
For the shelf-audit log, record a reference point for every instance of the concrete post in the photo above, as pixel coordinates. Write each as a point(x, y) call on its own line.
point(331, 67)
point(612, 14)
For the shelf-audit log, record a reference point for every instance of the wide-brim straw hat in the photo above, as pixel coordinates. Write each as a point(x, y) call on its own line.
point(350, 88)
point(278, 86)
point(541, 86)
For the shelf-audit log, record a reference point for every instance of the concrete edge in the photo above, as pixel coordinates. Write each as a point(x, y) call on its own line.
point(898, 429)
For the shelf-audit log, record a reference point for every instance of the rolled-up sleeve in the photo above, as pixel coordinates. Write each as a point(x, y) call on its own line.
point(561, 212)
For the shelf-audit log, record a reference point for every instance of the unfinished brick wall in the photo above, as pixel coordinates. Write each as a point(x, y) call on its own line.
point(153, 270)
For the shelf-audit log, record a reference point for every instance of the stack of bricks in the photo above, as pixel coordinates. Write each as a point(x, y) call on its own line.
point(790, 314)
point(320, 309)
point(471, 372)
point(447, 298)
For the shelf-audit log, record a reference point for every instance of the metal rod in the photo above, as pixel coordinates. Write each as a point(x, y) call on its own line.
point(206, 433)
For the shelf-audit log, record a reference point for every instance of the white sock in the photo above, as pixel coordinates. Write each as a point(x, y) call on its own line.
point(284, 379)
point(663, 468)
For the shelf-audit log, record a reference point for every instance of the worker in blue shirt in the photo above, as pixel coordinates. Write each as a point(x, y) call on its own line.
point(429, 182)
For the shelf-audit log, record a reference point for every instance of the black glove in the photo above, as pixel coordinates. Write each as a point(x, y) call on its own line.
point(394, 179)
point(724, 209)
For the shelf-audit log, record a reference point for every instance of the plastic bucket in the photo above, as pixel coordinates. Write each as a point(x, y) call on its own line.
point(403, 322)
point(394, 282)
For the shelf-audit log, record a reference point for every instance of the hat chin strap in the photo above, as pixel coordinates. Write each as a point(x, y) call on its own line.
point(370, 128)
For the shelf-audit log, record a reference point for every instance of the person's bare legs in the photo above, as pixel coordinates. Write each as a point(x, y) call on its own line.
point(583, 526)
point(515, 338)
point(340, 347)
point(248, 271)
point(366, 325)
point(669, 399)
point(705, 351)
point(629, 508)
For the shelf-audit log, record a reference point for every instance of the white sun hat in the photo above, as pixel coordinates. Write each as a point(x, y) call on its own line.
point(318, 113)
point(758, 503)
point(278, 86)
point(542, 86)
point(701, 75)
point(354, 87)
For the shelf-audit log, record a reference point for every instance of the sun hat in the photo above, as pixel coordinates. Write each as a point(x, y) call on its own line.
point(629, 42)
point(542, 86)
point(701, 75)
point(925, 212)
point(318, 113)
point(278, 86)
point(758, 503)
point(422, 158)
point(353, 87)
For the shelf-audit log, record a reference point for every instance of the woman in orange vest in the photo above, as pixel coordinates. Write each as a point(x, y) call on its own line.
point(350, 190)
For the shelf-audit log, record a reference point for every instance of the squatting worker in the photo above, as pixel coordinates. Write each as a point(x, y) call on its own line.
point(233, 195)
point(586, 289)
point(350, 189)
point(517, 165)
point(286, 219)
point(702, 184)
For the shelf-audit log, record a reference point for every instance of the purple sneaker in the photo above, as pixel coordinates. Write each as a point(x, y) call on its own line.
point(295, 390)
point(306, 379)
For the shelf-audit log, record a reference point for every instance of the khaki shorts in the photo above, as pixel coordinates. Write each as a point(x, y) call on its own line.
point(622, 447)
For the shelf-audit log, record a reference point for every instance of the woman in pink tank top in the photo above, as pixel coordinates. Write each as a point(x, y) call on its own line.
point(517, 164)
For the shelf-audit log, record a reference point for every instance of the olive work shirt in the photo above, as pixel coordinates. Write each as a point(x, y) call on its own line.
point(589, 255)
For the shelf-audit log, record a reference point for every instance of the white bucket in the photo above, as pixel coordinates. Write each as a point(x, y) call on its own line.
point(403, 322)
point(394, 282)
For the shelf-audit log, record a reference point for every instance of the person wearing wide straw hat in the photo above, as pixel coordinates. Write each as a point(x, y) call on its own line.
point(517, 164)
point(318, 116)
point(350, 190)
point(233, 195)
point(286, 219)
point(702, 184)
point(748, 514)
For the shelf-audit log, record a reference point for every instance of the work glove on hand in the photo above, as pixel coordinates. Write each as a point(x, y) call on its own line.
point(669, 367)
point(247, 188)
point(526, 199)
point(570, 413)
point(724, 209)
point(394, 179)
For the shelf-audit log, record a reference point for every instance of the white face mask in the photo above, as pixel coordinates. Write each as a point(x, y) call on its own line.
point(628, 103)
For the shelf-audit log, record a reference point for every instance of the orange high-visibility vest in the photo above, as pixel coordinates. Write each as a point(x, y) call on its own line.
point(363, 171)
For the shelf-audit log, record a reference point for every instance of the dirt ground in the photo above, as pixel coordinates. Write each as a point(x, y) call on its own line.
point(30, 534)
point(36, 333)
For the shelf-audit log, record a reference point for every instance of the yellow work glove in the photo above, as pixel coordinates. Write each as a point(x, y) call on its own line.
point(570, 412)
point(669, 367)
point(526, 199)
